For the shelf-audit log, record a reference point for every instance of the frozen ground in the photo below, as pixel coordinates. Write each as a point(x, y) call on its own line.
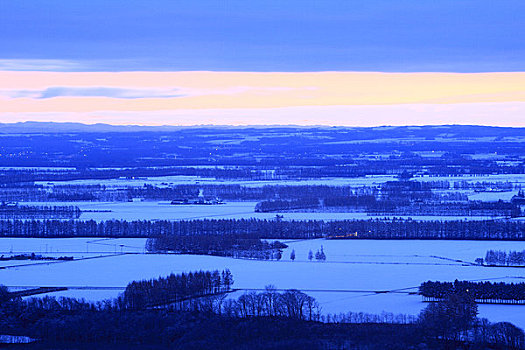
point(347, 281)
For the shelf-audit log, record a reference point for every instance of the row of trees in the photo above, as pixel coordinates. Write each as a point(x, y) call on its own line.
point(469, 185)
point(176, 289)
point(238, 192)
point(331, 195)
point(472, 208)
point(396, 198)
point(482, 292)
point(502, 258)
point(61, 193)
point(220, 245)
point(255, 320)
point(350, 201)
point(286, 205)
point(319, 255)
point(33, 256)
point(272, 229)
point(433, 167)
point(483, 185)
point(291, 303)
point(10, 176)
point(457, 166)
point(12, 211)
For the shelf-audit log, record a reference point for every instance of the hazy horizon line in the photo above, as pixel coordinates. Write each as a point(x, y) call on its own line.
point(21, 123)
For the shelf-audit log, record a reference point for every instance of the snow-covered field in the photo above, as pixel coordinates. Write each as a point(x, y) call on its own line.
point(162, 210)
point(492, 196)
point(370, 180)
point(489, 196)
point(513, 178)
point(346, 281)
point(196, 180)
point(78, 247)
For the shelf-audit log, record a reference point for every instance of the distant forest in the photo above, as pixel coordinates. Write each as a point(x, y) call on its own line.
point(482, 292)
point(38, 212)
point(272, 229)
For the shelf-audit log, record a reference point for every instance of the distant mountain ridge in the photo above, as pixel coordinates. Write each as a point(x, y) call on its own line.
point(31, 127)
point(53, 127)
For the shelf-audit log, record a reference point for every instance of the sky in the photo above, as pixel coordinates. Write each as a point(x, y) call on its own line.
point(330, 62)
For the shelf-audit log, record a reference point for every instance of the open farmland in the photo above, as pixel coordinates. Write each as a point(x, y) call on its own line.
point(352, 278)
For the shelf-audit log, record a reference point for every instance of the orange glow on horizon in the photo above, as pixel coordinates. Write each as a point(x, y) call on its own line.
point(199, 92)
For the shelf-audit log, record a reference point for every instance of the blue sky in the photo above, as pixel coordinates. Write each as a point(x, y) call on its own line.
point(285, 35)
point(247, 62)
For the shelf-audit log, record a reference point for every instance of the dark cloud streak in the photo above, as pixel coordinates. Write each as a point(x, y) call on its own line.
point(123, 93)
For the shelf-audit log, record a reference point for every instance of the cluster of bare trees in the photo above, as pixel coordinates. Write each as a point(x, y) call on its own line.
point(291, 303)
point(363, 317)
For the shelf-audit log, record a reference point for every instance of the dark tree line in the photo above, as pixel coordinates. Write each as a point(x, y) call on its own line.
point(285, 205)
point(246, 193)
point(363, 317)
point(253, 321)
point(502, 258)
point(61, 193)
point(13, 211)
point(220, 245)
point(482, 186)
point(177, 291)
point(406, 190)
point(9, 176)
point(301, 167)
point(66, 323)
point(272, 229)
point(482, 292)
point(358, 201)
point(472, 208)
point(452, 318)
point(332, 195)
point(362, 201)
point(33, 256)
point(458, 185)
point(291, 303)
point(394, 198)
